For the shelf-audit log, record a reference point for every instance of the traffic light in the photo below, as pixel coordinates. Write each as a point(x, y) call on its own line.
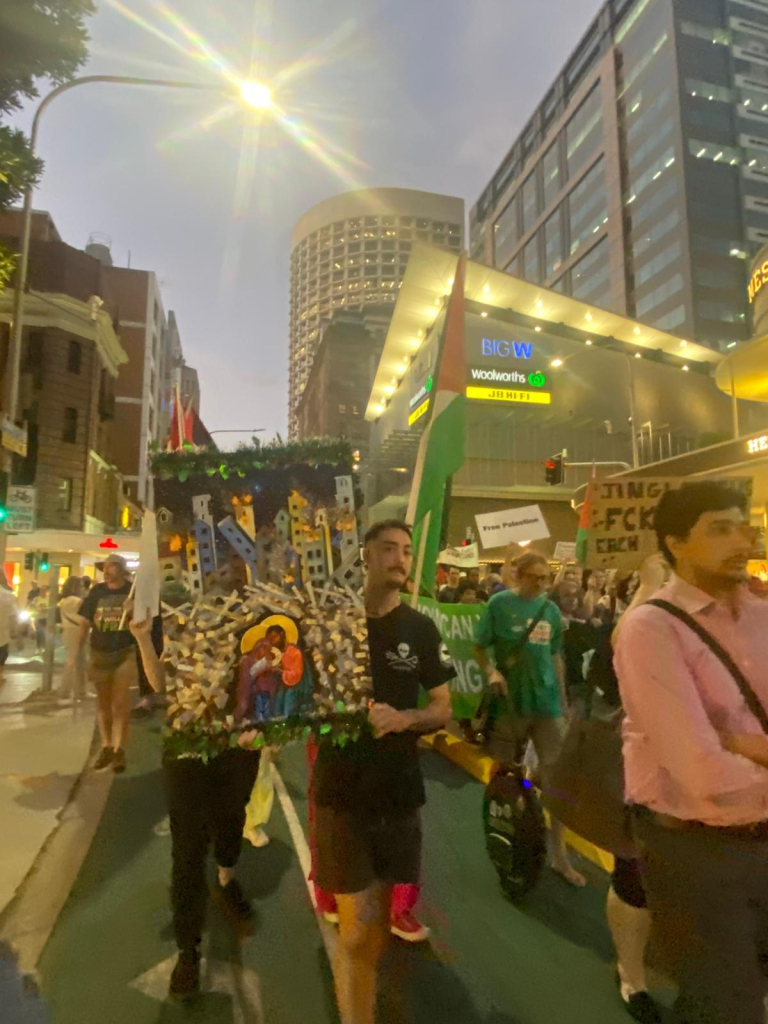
point(3, 496)
point(45, 565)
point(555, 467)
point(29, 561)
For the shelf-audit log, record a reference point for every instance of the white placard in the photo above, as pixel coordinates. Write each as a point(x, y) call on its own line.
point(463, 558)
point(565, 551)
point(497, 529)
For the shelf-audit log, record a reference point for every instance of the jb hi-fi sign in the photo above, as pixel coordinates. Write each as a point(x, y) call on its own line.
point(513, 376)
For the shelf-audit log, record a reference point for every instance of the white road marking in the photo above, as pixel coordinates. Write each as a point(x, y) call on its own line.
point(235, 980)
point(327, 932)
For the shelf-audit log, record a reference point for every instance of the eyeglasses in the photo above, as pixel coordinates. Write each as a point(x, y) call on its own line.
point(539, 577)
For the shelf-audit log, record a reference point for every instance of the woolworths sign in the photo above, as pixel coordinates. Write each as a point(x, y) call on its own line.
point(537, 379)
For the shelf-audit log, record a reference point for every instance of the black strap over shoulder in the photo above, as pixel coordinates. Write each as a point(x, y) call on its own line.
point(754, 704)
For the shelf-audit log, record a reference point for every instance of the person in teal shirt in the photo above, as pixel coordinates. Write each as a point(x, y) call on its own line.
point(525, 630)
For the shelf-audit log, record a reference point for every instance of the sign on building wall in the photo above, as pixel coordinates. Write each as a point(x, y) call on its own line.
point(502, 370)
point(21, 505)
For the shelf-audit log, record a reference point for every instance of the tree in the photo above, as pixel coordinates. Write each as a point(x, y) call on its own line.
point(39, 39)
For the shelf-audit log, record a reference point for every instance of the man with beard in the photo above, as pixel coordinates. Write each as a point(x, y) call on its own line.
point(367, 826)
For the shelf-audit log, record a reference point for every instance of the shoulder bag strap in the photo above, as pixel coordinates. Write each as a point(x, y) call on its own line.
point(532, 625)
point(754, 704)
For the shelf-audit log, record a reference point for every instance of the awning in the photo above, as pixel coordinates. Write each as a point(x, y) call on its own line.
point(746, 371)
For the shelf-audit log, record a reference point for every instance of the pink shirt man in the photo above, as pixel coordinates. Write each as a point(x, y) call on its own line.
point(678, 697)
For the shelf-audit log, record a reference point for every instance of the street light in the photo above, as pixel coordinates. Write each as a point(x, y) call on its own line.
point(253, 94)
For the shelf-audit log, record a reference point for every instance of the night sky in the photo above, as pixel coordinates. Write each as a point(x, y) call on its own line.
point(425, 94)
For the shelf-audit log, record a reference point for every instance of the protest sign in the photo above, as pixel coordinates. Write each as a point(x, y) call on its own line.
point(513, 525)
point(621, 521)
point(462, 558)
point(620, 516)
point(565, 551)
point(456, 624)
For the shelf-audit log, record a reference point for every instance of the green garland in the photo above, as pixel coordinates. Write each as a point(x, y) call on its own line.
point(191, 461)
point(208, 741)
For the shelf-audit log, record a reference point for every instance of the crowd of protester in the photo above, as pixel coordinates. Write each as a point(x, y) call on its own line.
point(676, 649)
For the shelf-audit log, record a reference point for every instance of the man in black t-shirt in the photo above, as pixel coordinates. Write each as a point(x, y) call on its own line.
point(113, 668)
point(367, 828)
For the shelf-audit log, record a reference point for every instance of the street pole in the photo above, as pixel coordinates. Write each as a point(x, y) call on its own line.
point(635, 455)
point(50, 629)
point(11, 396)
point(734, 404)
point(14, 355)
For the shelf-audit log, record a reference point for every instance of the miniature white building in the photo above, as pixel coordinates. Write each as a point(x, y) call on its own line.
point(350, 571)
point(194, 576)
point(201, 508)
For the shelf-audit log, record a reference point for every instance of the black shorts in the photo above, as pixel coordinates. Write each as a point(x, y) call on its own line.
point(4, 653)
point(354, 851)
point(627, 883)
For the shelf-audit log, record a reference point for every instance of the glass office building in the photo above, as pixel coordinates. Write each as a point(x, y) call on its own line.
point(640, 183)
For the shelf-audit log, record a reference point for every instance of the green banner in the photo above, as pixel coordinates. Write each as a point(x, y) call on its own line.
point(456, 623)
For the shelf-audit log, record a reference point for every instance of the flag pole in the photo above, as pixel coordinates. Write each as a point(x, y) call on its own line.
point(417, 576)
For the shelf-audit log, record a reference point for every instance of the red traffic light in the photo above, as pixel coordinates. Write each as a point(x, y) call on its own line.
point(550, 464)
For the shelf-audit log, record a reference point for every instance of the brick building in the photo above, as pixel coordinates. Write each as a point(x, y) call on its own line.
point(70, 358)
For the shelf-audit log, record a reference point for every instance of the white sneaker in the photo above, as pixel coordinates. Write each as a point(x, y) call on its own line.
point(257, 837)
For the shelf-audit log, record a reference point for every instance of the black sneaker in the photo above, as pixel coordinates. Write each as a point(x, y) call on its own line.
point(185, 980)
point(118, 761)
point(235, 901)
point(104, 760)
point(641, 1007)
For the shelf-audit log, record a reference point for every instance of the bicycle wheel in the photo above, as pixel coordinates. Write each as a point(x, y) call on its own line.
point(515, 833)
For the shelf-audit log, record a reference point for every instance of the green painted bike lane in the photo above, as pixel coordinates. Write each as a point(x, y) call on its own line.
point(546, 961)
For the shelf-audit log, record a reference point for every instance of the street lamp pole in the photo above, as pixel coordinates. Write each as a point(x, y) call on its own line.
point(14, 355)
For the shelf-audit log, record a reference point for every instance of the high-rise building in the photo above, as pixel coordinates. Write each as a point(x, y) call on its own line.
point(334, 400)
point(640, 183)
point(350, 252)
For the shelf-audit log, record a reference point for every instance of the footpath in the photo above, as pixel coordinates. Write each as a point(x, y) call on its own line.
point(45, 745)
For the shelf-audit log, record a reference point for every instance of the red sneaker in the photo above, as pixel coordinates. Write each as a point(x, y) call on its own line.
point(406, 927)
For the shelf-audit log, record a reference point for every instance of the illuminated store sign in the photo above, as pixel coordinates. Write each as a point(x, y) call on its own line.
point(422, 393)
point(757, 281)
point(757, 445)
point(507, 349)
point(418, 413)
point(536, 379)
point(505, 395)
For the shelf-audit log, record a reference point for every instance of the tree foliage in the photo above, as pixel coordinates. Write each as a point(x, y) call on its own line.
point(39, 39)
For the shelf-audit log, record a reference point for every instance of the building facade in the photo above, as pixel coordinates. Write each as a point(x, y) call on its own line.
point(350, 253)
point(145, 388)
point(543, 374)
point(334, 400)
point(71, 356)
point(640, 183)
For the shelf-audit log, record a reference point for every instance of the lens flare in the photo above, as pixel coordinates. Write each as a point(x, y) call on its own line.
point(256, 95)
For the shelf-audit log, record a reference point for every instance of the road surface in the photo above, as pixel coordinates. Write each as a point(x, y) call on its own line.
point(490, 962)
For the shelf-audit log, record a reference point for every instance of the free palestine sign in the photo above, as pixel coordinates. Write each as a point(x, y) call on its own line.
point(512, 526)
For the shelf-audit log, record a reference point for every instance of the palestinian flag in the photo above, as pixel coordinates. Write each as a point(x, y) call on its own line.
point(585, 523)
point(441, 451)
